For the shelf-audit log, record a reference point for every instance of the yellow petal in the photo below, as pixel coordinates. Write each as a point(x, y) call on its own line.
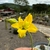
point(15, 25)
point(26, 24)
point(22, 33)
point(32, 28)
point(29, 18)
point(19, 24)
point(20, 19)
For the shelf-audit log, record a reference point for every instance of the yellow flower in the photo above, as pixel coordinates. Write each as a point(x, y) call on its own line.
point(25, 25)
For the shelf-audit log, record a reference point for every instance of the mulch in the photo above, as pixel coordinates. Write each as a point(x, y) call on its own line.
point(10, 41)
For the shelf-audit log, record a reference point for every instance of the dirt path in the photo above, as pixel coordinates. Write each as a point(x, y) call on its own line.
point(44, 29)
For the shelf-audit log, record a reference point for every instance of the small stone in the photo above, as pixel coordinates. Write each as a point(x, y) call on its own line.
point(11, 37)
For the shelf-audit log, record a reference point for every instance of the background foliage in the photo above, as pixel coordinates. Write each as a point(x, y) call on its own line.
point(35, 8)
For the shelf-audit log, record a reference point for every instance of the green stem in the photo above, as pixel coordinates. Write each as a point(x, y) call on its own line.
point(5, 24)
point(31, 41)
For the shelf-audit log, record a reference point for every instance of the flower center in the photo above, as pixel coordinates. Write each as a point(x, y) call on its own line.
point(25, 26)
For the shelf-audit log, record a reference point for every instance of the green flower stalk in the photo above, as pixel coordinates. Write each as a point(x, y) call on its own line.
point(6, 23)
point(31, 40)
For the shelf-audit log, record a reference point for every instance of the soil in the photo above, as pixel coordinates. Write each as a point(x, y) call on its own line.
point(10, 41)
